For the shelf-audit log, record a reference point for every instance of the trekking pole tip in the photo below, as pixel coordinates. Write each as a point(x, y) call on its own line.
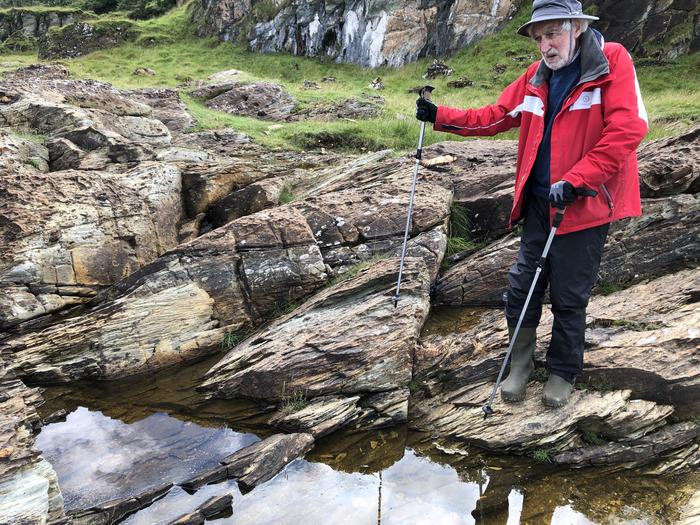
point(487, 410)
point(396, 301)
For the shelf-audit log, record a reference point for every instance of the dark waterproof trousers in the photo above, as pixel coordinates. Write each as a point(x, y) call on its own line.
point(570, 271)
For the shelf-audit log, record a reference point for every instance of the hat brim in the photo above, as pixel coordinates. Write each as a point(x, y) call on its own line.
point(523, 29)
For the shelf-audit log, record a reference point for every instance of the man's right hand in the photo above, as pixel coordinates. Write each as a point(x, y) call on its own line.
point(425, 110)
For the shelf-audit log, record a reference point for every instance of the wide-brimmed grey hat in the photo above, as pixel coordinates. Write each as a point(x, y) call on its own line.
point(543, 10)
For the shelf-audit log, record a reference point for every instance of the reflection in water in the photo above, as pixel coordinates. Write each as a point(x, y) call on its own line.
point(98, 458)
point(178, 503)
point(124, 443)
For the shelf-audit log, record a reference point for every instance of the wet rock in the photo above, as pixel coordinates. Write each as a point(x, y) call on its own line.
point(262, 100)
point(212, 475)
point(321, 416)
point(634, 453)
point(79, 230)
point(115, 511)
point(29, 490)
point(35, 23)
point(348, 340)
point(263, 460)
point(641, 341)
point(210, 509)
point(658, 243)
point(670, 166)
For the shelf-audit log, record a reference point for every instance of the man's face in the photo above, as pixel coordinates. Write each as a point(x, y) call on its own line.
point(554, 42)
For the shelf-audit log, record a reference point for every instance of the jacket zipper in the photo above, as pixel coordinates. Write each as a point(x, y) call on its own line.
point(611, 204)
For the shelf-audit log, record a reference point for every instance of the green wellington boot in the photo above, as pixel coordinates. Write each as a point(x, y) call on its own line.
point(522, 364)
point(557, 391)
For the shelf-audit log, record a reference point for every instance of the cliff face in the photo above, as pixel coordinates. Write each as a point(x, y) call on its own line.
point(35, 23)
point(384, 32)
point(659, 28)
point(365, 32)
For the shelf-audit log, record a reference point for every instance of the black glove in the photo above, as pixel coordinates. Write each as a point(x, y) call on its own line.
point(561, 194)
point(426, 110)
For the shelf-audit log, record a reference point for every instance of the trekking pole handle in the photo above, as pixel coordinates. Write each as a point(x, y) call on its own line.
point(426, 92)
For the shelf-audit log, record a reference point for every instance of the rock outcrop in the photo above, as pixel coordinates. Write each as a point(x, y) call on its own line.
point(650, 27)
point(84, 37)
point(659, 242)
point(29, 491)
point(641, 357)
point(348, 342)
point(35, 23)
point(371, 35)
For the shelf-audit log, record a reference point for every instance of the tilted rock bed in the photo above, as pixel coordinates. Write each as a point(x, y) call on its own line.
point(29, 489)
point(641, 375)
point(345, 355)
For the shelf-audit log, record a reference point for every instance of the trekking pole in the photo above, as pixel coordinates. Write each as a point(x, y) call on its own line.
point(425, 93)
point(558, 216)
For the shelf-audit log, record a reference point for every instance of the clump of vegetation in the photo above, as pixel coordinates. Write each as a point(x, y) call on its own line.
point(231, 339)
point(294, 401)
point(592, 438)
point(287, 194)
point(541, 374)
point(357, 268)
point(18, 42)
point(542, 455)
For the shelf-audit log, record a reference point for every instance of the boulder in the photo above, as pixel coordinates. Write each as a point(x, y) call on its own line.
point(263, 100)
point(641, 370)
point(166, 106)
point(68, 233)
point(350, 109)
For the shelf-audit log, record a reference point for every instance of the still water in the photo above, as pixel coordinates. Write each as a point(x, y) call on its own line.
point(123, 437)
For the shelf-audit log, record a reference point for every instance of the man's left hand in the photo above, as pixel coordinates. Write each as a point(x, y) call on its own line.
point(561, 194)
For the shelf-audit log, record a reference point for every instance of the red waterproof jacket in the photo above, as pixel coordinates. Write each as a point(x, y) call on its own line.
point(594, 136)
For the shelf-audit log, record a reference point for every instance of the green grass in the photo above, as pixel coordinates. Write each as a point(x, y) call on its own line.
point(231, 339)
point(357, 268)
point(168, 45)
point(542, 455)
point(592, 438)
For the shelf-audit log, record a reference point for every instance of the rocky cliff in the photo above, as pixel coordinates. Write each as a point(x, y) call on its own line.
point(369, 33)
point(659, 28)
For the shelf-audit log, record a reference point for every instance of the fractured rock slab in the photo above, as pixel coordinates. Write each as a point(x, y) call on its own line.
point(641, 342)
point(346, 340)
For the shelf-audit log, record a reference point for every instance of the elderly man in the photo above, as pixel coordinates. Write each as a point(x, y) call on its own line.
point(581, 118)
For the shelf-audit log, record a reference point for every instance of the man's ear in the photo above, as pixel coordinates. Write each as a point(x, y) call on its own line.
point(577, 29)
